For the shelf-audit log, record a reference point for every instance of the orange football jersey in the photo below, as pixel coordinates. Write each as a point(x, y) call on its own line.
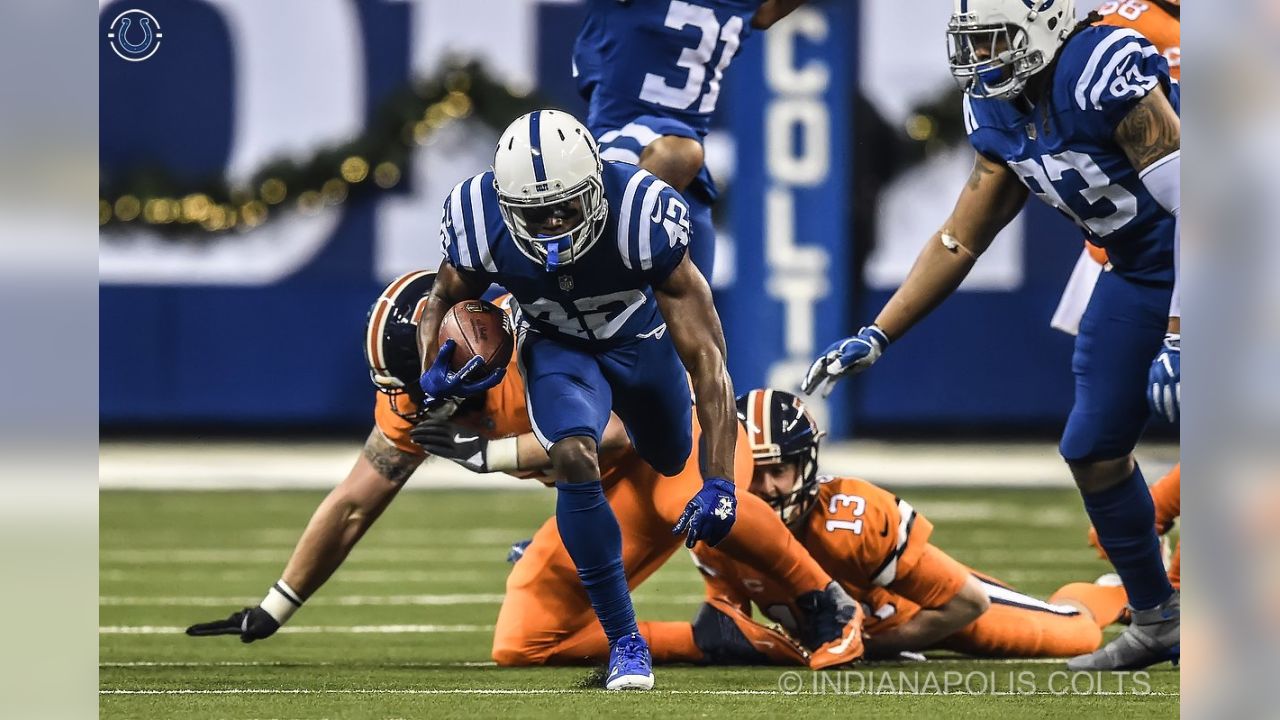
point(504, 414)
point(1154, 22)
point(868, 540)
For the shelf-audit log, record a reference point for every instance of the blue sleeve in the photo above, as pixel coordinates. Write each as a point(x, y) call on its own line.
point(983, 139)
point(663, 237)
point(1112, 70)
point(448, 231)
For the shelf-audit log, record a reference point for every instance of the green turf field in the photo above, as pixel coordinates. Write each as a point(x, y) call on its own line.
point(432, 570)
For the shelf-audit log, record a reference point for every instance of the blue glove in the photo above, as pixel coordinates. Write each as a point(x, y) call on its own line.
point(710, 514)
point(439, 382)
point(849, 356)
point(1164, 381)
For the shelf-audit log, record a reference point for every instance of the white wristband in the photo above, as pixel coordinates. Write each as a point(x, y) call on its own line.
point(503, 455)
point(281, 602)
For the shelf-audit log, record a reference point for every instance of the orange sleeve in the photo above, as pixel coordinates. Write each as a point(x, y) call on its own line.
point(720, 573)
point(1162, 29)
point(393, 427)
point(932, 579)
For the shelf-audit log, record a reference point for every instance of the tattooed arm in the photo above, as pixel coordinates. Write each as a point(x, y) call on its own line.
point(989, 201)
point(1151, 136)
point(1150, 132)
point(347, 512)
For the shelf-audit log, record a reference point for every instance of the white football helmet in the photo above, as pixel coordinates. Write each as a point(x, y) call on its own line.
point(996, 45)
point(548, 174)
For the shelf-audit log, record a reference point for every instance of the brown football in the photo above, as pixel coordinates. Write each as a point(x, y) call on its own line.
point(479, 329)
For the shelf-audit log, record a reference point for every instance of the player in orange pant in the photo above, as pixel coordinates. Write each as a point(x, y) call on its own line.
point(547, 619)
point(877, 546)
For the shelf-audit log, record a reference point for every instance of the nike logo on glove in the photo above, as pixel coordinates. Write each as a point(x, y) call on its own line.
point(459, 438)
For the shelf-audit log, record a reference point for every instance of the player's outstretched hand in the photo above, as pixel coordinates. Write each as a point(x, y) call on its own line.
point(250, 624)
point(443, 438)
point(845, 357)
point(710, 514)
point(440, 382)
point(1164, 379)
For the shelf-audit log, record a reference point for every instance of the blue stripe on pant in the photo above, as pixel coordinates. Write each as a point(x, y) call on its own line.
point(1120, 334)
point(571, 390)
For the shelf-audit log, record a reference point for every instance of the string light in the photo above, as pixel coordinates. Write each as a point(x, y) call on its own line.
point(273, 191)
point(386, 175)
point(411, 119)
point(355, 169)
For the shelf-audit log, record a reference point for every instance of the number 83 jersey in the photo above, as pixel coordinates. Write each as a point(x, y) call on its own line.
point(602, 299)
point(1064, 147)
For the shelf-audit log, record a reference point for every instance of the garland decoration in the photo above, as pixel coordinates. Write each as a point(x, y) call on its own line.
point(372, 163)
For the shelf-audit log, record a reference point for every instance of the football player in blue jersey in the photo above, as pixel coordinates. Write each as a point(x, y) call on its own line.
point(611, 312)
point(651, 72)
point(1084, 116)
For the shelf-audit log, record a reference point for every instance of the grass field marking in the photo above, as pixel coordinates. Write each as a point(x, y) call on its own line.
point(557, 691)
point(214, 556)
point(343, 600)
point(358, 600)
point(356, 629)
point(347, 575)
point(285, 663)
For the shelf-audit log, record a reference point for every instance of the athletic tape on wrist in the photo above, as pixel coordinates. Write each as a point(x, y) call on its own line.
point(281, 601)
point(503, 455)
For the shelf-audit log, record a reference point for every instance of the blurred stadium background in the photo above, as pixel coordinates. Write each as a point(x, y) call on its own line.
point(270, 168)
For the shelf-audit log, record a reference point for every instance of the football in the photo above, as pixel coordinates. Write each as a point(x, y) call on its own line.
point(479, 329)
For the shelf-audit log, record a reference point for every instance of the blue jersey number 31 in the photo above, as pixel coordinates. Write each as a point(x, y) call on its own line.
point(696, 59)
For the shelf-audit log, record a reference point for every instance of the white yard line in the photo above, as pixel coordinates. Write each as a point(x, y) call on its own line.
point(314, 629)
point(348, 575)
point(550, 691)
point(282, 663)
point(216, 556)
point(356, 600)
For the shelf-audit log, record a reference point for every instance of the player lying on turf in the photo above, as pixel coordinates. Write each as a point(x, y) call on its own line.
point(877, 546)
point(1086, 117)
point(492, 432)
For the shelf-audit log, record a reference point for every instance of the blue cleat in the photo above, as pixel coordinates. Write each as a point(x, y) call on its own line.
point(630, 666)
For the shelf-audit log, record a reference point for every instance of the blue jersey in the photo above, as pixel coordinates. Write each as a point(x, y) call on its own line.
point(1064, 148)
point(605, 297)
point(657, 57)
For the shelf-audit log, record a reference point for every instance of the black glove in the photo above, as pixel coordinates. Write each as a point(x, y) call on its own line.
point(443, 438)
point(250, 624)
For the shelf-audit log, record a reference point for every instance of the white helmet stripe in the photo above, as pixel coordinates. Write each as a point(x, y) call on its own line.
point(766, 422)
point(382, 311)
